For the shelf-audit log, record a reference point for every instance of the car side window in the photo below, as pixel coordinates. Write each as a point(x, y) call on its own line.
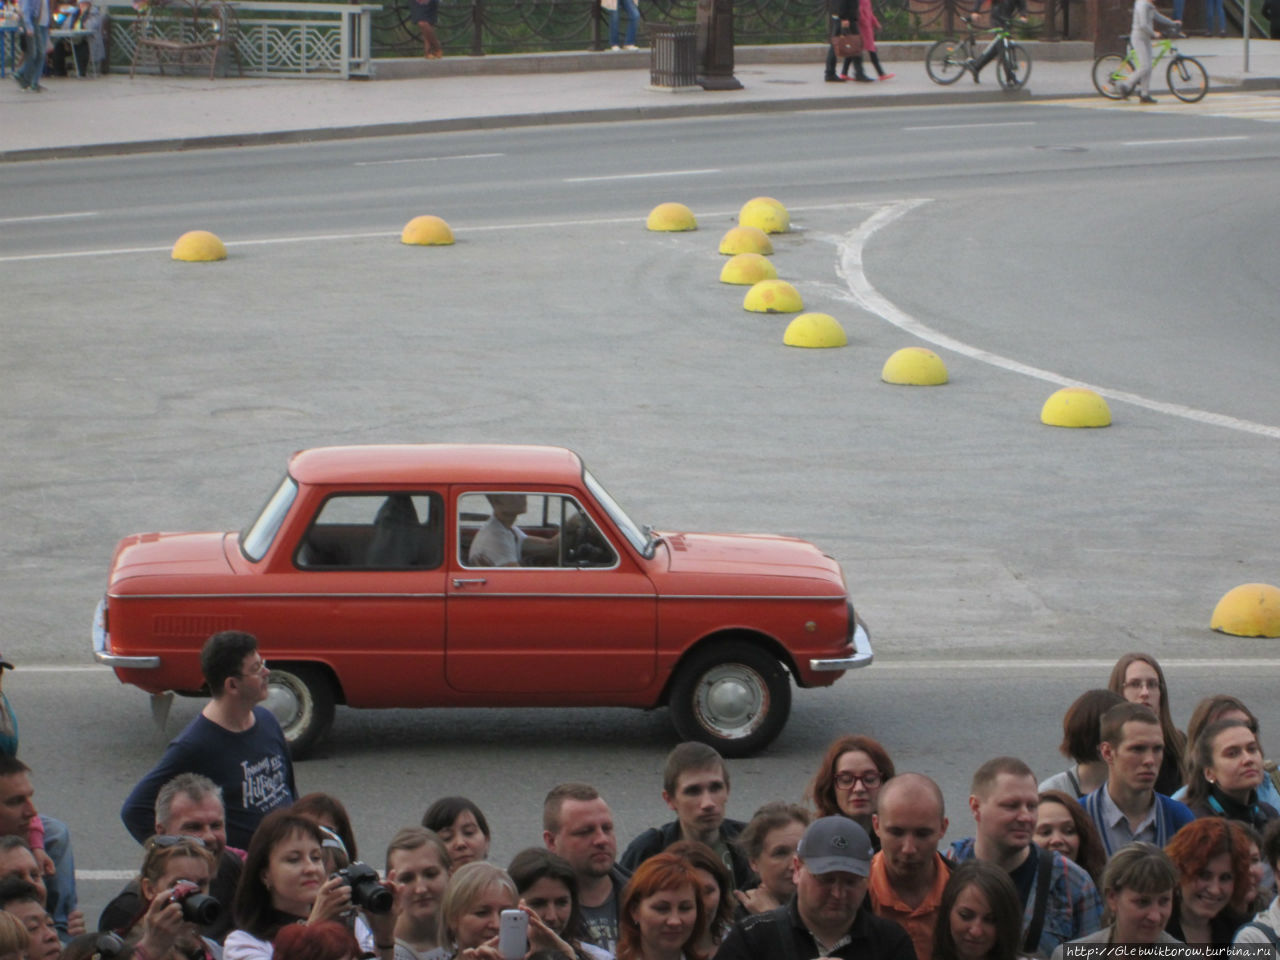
point(514, 529)
point(384, 531)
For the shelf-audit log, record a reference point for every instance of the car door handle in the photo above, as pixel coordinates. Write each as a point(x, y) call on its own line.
point(460, 582)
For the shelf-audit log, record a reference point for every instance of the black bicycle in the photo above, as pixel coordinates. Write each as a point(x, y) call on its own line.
point(948, 60)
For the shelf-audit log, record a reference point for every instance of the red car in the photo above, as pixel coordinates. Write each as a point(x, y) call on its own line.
point(473, 575)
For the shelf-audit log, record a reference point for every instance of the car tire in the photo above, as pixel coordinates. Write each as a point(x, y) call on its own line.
point(735, 697)
point(301, 697)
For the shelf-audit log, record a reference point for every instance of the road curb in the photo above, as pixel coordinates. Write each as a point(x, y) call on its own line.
point(459, 124)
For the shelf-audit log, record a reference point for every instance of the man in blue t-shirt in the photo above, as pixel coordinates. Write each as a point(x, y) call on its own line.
point(234, 742)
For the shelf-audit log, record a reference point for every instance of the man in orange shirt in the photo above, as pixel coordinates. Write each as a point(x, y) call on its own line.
point(908, 874)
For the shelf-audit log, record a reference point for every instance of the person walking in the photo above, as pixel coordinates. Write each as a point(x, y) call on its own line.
point(843, 14)
point(35, 25)
point(868, 24)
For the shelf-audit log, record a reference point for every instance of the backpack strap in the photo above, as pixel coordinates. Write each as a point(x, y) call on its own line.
point(1044, 875)
point(1267, 931)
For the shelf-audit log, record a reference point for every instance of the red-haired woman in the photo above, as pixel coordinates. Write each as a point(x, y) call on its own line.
point(1138, 678)
point(1212, 860)
point(849, 779)
point(326, 940)
point(660, 916)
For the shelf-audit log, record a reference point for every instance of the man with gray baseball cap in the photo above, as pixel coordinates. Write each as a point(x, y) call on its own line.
point(824, 918)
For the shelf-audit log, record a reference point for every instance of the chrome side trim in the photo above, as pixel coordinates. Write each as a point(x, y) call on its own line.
point(862, 654)
point(127, 663)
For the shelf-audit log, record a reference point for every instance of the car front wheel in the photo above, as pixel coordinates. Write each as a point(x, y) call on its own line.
point(735, 697)
point(302, 699)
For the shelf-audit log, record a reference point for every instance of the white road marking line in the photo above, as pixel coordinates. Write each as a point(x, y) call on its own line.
point(53, 216)
point(640, 176)
point(1066, 666)
point(849, 268)
point(971, 126)
point(460, 156)
point(922, 662)
point(1158, 143)
point(106, 874)
point(324, 237)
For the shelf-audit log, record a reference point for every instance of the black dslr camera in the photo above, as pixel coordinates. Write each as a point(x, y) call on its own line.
point(198, 908)
point(367, 890)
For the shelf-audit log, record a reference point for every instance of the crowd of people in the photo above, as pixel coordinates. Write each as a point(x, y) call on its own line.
point(1150, 836)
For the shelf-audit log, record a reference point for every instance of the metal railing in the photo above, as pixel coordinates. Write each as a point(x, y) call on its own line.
point(283, 38)
point(478, 27)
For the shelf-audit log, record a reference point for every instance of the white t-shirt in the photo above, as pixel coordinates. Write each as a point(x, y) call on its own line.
point(496, 545)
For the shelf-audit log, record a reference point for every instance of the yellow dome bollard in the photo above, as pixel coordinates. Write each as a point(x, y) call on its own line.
point(1249, 610)
point(773, 296)
point(815, 330)
point(766, 213)
point(748, 268)
point(1075, 407)
point(746, 240)
point(914, 367)
point(199, 246)
point(671, 218)
point(426, 231)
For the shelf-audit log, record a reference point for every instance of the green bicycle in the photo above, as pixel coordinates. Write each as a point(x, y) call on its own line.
point(948, 60)
point(1188, 80)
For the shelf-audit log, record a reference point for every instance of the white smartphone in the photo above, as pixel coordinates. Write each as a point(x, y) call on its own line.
point(513, 934)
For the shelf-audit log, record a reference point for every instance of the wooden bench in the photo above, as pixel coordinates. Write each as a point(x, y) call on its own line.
point(186, 31)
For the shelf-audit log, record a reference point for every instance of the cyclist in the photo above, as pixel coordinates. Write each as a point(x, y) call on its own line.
point(1001, 17)
point(1141, 33)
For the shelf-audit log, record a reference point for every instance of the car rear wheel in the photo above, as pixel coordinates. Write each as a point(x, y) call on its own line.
point(301, 697)
point(735, 697)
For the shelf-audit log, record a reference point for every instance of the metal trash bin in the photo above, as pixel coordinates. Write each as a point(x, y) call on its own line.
point(673, 56)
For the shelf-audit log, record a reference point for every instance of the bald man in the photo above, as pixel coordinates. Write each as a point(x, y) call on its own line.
point(908, 874)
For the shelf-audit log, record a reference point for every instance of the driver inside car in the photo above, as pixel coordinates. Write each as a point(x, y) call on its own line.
point(500, 543)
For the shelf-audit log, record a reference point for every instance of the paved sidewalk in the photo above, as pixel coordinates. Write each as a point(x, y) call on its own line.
point(117, 115)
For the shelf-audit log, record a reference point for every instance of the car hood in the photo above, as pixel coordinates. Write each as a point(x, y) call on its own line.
point(168, 555)
point(749, 555)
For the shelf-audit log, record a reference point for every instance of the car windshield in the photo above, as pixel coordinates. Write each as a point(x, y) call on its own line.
point(256, 540)
point(619, 517)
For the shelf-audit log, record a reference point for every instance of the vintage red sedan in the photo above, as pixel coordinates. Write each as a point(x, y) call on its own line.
point(482, 575)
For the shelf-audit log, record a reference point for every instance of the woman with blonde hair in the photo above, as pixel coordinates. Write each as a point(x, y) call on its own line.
point(174, 881)
point(419, 864)
point(13, 937)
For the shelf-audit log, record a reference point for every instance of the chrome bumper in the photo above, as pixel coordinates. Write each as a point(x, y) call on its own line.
point(862, 654)
point(102, 646)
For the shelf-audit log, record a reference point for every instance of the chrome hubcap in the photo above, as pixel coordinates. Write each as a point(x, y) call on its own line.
point(732, 700)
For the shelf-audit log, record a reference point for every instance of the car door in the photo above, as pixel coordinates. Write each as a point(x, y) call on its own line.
point(366, 595)
point(571, 616)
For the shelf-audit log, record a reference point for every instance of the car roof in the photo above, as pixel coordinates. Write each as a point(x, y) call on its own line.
point(487, 463)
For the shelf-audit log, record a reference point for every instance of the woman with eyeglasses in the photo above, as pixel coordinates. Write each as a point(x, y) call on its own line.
point(285, 881)
point(174, 883)
point(1138, 678)
point(849, 779)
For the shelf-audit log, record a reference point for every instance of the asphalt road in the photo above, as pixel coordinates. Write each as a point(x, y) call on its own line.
point(1131, 251)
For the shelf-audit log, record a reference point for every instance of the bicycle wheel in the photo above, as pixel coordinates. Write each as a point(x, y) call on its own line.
point(945, 61)
point(1108, 71)
point(1014, 67)
point(1187, 79)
